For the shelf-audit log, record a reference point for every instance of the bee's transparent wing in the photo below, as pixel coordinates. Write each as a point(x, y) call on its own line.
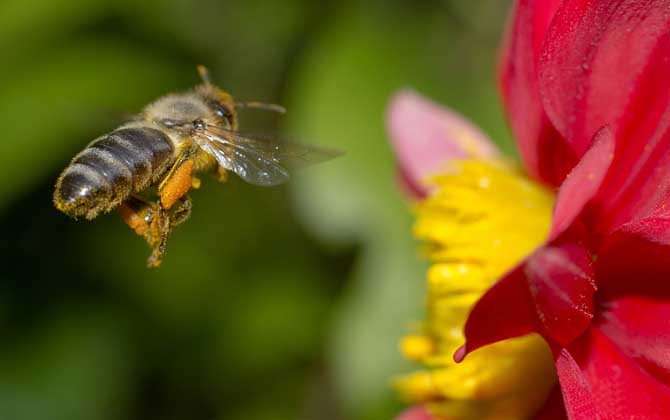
point(291, 154)
point(259, 160)
point(252, 166)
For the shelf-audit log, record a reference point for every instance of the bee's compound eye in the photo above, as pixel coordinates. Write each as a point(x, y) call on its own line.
point(222, 111)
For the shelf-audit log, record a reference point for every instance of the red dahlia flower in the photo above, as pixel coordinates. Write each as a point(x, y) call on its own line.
point(478, 216)
point(587, 85)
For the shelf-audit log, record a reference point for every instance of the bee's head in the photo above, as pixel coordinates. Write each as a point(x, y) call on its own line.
point(222, 107)
point(181, 114)
point(206, 105)
point(219, 102)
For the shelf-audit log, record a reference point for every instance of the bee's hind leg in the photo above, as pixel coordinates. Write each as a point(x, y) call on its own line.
point(161, 227)
point(152, 222)
point(138, 214)
point(181, 211)
point(177, 182)
point(164, 222)
point(172, 208)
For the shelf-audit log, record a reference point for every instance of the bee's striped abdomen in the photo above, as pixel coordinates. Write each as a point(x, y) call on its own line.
point(112, 167)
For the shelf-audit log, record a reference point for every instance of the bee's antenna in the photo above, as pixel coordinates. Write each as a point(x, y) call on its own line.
point(204, 74)
point(260, 105)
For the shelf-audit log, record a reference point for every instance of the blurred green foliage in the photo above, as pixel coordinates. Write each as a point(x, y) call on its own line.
point(282, 303)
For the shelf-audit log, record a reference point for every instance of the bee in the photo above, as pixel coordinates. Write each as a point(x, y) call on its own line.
point(146, 167)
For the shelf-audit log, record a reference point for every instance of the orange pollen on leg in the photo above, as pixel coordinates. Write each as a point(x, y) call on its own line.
point(178, 185)
point(133, 219)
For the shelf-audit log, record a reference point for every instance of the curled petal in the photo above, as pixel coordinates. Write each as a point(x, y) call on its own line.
point(550, 293)
point(561, 282)
point(426, 136)
point(504, 311)
point(546, 155)
point(637, 185)
point(582, 184)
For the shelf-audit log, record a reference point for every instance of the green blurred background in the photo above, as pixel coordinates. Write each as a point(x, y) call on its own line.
point(282, 303)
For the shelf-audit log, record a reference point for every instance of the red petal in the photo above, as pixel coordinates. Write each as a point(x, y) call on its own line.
point(598, 380)
point(623, 184)
point(576, 392)
point(583, 182)
point(637, 185)
point(635, 259)
point(595, 60)
point(640, 327)
point(550, 293)
point(546, 155)
point(504, 311)
point(554, 407)
point(562, 285)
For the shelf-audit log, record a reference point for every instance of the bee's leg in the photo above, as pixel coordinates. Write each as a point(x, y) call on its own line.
point(157, 240)
point(172, 208)
point(138, 214)
point(181, 211)
point(154, 221)
point(149, 220)
point(221, 174)
point(162, 223)
point(176, 183)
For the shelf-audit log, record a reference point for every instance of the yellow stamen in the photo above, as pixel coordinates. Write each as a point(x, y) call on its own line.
point(483, 219)
point(417, 347)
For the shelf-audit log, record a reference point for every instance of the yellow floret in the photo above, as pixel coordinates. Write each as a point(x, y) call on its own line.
point(482, 220)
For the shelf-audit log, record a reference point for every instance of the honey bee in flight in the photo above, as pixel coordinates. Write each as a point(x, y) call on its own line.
point(146, 167)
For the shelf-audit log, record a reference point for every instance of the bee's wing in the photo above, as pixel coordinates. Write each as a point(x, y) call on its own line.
point(290, 154)
point(253, 166)
point(259, 160)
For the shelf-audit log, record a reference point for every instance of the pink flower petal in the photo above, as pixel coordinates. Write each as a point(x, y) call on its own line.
point(426, 136)
point(415, 413)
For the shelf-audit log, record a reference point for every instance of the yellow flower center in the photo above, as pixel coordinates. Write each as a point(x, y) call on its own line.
point(482, 220)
